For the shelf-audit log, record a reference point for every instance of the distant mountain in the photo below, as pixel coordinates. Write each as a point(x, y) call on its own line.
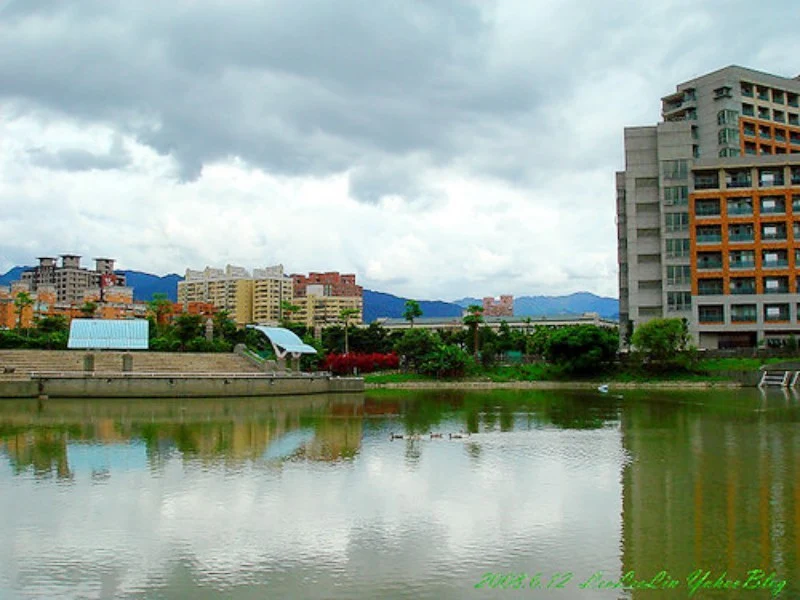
point(145, 285)
point(573, 304)
point(379, 304)
point(12, 275)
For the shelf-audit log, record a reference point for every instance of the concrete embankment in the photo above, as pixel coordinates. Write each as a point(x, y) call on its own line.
point(177, 386)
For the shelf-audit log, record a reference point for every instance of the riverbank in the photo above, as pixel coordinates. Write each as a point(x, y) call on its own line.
point(549, 385)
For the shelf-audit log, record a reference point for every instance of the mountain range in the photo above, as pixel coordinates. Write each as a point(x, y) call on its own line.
point(381, 304)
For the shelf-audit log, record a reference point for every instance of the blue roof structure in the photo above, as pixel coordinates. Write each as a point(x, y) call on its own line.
point(107, 334)
point(285, 339)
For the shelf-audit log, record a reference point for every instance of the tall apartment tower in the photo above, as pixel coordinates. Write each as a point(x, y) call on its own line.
point(708, 211)
point(70, 279)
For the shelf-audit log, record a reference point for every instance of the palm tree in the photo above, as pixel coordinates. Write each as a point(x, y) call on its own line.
point(345, 315)
point(22, 301)
point(412, 311)
point(472, 319)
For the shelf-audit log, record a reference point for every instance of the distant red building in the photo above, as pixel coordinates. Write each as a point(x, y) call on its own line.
point(333, 284)
point(498, 308)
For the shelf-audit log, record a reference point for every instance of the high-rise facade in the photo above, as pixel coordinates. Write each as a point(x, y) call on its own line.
point(321, 298)
point(708, 211)
point(249, 298)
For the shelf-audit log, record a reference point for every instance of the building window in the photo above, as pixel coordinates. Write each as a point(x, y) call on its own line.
point(738, 178)
point(676, 195)
point(747, 89)
point(774, 259)
point(727, 117)
point(726, 152)
point(711, 314)
point(741, 233)
point(770, 177)
point(773, 205)
point(709, 234)
point(773, 232)
point(679, 274)
point(679, 301)
point(743, 313)
point(728, 136)
point(748, 110)
point(777, 96)
point(675, 169)
point(677, 222)
point(678, 248)
point(742, 259)
point(776, 312)
point(709, 260)
point(776, 285)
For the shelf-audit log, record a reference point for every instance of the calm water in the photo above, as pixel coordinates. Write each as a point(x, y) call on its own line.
point(309, 497)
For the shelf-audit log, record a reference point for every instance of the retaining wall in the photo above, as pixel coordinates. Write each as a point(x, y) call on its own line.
point(177, 387)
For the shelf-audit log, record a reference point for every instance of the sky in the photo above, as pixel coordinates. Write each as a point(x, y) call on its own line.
point(436, 149)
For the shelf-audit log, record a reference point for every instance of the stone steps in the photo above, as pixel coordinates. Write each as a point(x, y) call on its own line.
point(22, 362)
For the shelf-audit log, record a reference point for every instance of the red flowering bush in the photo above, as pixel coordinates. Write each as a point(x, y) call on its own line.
point(347, 364)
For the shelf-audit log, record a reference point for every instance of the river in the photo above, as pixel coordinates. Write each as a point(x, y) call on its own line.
point(545, 494)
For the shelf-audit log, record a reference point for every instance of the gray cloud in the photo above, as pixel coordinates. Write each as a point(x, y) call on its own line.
point(78, 159)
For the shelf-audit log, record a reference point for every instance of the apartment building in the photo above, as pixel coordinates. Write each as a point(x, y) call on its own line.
point(321, 297)
point(255, 297)
point(708, 211)
point(502, 307)
point(69, 278)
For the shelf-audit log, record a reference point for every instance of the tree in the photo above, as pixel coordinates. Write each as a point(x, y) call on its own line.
point(224, 326)
point(345, 315)
point(662, 342)
point(88, 309)
point(22, 301)
point(414, 345)
point(160, 307)
point(291, 309)
point(412, 311)
point(472, 319)
point(188, 327)
point(582, 349)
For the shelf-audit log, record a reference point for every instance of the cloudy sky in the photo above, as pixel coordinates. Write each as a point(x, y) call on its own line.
point(437, 149)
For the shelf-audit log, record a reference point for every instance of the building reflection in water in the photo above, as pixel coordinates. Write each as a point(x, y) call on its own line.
point(712, 487)
point(62, 438)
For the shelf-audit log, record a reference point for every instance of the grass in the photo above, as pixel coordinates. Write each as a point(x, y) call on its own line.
point(706, 370)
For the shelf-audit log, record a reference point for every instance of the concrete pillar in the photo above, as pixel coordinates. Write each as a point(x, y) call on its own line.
point(88, 362)
point(127, 363)
point(281, 364)
point(296, 363)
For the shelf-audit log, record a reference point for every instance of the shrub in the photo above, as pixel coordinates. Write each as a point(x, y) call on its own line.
point(347, 364)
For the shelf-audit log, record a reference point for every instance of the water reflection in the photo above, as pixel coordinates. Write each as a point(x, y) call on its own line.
point(309, 497)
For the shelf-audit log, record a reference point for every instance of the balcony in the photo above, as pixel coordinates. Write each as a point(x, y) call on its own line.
point(711, 314)
point(706, 180)
point(743, 313)
point(738, 179)
point(776, 312)
point(709, 287)
point(743, 287)
point(748, 110)
point(743, 264)
point(741, 238)
point(776, 289)
point(709, 265)
point(770, 177)
point(791, 100)
point(706, 208)
point(774, 264)
point(773, 206)
point(747, 90)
